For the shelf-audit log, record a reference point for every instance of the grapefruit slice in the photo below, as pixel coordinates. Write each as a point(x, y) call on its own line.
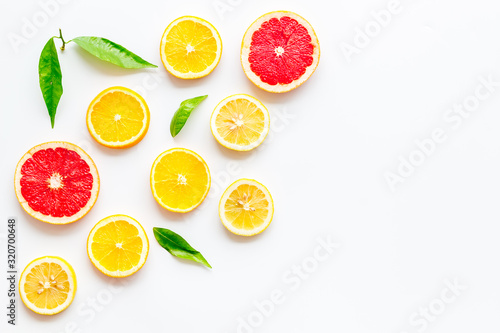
point(56, 182)
point(280, 51)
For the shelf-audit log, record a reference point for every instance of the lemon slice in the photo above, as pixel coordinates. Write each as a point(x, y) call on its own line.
point(118, 117)
point(180, 180)
point(240, 122)
point(47, 285)
point(118, 246)
point(190, 47)
point(246, 208)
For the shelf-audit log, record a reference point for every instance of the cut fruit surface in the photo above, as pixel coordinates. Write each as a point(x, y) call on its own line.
point(56, 182)
point(118, 246)
point(180, 180)
point(118, 117)
point(190, 47)
point(246, 208)
point(240, 122)
point(280, 51)
point(47, 285)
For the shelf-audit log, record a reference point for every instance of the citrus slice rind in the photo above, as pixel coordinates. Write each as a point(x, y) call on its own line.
point(56, 182)
point(246, 207)
point(180, 180)
point(118, 117)
point(190, 47)
point(281, 60)
point(47, 285)
point(118, 246)
point(240, 122)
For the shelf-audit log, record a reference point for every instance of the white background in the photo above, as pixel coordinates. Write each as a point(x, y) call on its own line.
point(332, 141)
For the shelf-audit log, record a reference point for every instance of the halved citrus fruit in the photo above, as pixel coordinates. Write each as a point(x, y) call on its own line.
point(240, 122)
point(280, 51)
point(180, 180)
point(47, 285)
point(190, 47)
point(56, 182)
point(118, 246)
point(246, 208)
point(118, 117)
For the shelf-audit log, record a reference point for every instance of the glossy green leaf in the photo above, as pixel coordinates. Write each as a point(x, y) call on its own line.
point(177, 246)
point(50, 77)
point(183, 112)
point(107, 50)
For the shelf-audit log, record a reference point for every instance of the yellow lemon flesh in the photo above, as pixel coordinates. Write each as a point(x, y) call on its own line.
point(240, 122)
point(246, 208)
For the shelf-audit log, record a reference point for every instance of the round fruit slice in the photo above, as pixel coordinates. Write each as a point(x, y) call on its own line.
point(118, 117)
point(118, 246)
point(56, 182)
point(190, 48)
point(47, 285)
point(180, 180)
point(246, 208)
point(240, 122)
point(280, 51)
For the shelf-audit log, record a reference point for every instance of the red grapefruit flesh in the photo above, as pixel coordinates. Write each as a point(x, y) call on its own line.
point(56, 182)
point(280, 51)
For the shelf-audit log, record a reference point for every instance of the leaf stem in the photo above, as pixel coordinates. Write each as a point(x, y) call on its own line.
point(63, 47)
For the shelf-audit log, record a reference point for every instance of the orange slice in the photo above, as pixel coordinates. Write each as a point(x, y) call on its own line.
point(118, 246)
point(190, 47)
point(180, 180)
point(118, 117)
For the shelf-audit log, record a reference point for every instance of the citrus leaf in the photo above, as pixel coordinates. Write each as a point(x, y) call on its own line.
point(109, 51)
point(183, 112)
point(50, 77)
point(177, 246)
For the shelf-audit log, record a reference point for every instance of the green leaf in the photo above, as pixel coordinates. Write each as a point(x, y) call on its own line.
point(177, 246)
point(183, 112)
point(107, 50)
point(50, 77)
